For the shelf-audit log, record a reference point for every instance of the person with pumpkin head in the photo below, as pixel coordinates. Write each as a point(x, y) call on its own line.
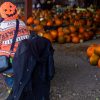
point(9, 15)
point(33, 63)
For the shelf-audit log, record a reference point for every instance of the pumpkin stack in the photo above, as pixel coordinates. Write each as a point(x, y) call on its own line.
point(93, 53)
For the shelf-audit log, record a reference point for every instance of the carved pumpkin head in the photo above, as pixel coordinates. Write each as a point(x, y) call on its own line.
point(8, 11)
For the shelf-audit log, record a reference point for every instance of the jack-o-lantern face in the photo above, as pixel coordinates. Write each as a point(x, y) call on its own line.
point(8, 11)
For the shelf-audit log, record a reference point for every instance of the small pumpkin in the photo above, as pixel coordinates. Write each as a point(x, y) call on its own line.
point(67, 38)
point(30, 20)
point(36, 21)
point(54, 34)
point(75, 39)
point(61, 39)
point(86, 35)
point(72, 29)
point(48, 36)
point(81, 36)
point(61, 33)
point(49, 23)
point(66, 30)
point(81, 29)
point(38, 28)
point(58, 22)
point(60, 29)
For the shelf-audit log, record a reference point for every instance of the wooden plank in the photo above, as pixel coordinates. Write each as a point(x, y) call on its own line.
point(28, 8)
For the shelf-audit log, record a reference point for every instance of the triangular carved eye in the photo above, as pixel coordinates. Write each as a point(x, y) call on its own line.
point(5, 10)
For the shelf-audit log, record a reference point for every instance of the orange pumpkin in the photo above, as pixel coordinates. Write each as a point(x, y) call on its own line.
point(60, 29)
point(97, 50)
point(53, 34)
point(82, 22)
point(41, 33)
point(66, 30)
point(38, 27)
point(81, 36)
point(75, 39)
point(61, 39)
point(60, 33)
point(98, 63)
point(58, 22)
point(23, 18)
point(94, 59)
point(86, 35)
point(36, 22)
point(72, 29)
point(8, 11)
point(81, 29)
point(67, 38)
point(49, 23)
point(90, 51)
point(48, 36)
point(89, 23)
point(30, 28)
point(30, 20)
point(73, 34)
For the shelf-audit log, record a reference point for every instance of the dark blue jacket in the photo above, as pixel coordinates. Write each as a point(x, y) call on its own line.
point(33, 66)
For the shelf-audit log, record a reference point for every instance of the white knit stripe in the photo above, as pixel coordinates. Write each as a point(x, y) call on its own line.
point(17, 39)
point(3, 51)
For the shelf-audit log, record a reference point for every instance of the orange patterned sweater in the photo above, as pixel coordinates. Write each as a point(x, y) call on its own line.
point(7, 29)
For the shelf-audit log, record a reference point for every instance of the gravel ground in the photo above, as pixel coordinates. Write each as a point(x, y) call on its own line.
point(75, 78)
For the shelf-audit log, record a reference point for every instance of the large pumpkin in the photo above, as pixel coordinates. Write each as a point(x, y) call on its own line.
point(90, 51)
point(97, 50)
point(94, 59)
point(8, 11)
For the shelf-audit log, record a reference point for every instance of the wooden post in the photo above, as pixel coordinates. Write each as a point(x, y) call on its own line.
point(28, 8)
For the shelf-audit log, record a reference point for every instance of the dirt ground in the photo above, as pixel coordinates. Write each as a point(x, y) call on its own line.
point(75, 78)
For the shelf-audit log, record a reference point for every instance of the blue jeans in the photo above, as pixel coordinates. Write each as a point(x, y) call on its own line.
point(9, 77)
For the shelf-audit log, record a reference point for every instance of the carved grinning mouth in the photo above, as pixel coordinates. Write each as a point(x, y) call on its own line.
point(9, 15)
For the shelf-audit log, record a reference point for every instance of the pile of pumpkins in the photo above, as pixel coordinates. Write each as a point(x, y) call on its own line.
point(68, 35)
point(79, 27)
point(93, 53)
